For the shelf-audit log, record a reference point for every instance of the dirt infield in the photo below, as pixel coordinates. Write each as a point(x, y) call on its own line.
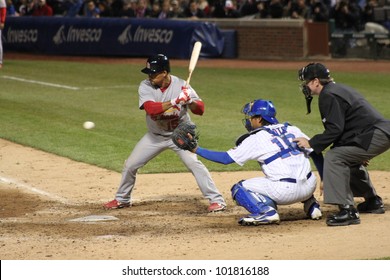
point(42, 193)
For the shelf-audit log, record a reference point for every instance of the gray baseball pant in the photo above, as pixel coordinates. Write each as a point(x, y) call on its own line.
point(149, 147)
point(344, 174)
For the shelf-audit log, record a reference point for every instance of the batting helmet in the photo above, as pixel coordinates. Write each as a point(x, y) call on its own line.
point(312, 71)
point(156, 64)
point(259, 107)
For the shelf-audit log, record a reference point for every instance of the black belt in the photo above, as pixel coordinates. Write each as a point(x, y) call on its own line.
point(292, 180)
point(161, 135)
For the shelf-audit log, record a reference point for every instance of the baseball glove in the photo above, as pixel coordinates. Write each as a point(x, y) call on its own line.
point(185, 136)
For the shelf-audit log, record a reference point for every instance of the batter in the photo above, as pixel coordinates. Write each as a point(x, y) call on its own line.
point(166, 100)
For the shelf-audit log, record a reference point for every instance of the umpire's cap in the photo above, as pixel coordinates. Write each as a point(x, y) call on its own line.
point(312, 71)
point(156, 64)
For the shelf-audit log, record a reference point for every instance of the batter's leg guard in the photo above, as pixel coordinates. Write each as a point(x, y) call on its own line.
point(255, 203)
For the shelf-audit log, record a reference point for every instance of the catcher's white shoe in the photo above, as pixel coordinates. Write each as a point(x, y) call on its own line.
point(271, 217)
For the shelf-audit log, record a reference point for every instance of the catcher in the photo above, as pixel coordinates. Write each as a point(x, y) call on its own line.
point(166, 102)
point(288, 177)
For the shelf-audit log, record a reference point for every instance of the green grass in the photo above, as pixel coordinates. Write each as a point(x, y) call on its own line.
point(50, 118)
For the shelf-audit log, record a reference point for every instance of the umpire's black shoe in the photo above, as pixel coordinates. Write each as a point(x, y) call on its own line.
point(372, 205)
point(346, 216)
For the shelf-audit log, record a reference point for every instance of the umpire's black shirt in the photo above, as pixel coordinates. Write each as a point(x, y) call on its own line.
point(348, 119)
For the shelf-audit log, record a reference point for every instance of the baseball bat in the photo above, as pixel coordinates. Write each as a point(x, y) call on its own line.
point(193, 60)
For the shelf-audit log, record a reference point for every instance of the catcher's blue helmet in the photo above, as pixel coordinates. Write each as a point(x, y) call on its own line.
point(156, 64)
point(259, 107)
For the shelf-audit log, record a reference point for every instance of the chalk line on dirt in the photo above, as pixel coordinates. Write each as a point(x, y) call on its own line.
point(95, 218)
point(33, 189)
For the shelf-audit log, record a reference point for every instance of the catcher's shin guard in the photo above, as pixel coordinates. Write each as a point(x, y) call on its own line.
point(255, 203)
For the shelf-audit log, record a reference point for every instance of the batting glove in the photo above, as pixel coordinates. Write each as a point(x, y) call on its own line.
point(187, 91)
point(184, 98)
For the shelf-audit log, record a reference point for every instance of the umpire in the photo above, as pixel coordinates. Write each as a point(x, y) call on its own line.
point(358, 133)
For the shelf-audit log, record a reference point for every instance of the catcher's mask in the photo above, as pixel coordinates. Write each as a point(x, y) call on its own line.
point(156, 64)
point(259, 107)
point(309, 73)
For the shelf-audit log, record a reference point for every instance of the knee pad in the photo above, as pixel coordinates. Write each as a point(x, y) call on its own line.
point(255, 203)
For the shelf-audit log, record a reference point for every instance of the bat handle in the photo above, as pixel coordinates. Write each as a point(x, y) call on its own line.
point(188, 79)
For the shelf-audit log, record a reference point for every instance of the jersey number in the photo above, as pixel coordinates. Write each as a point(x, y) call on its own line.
point(286, 144)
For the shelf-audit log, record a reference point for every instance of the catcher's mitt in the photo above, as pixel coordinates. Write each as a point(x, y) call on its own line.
point(185, 136)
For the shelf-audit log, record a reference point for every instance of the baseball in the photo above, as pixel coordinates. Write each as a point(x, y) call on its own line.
point(89, 125)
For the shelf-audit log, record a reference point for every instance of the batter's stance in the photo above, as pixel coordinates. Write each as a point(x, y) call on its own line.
point(166, 101)
point(288, 177)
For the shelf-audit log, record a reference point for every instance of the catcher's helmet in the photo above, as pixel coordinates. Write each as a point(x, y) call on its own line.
point(156, 64)
point(259, 107)
point(312, 71)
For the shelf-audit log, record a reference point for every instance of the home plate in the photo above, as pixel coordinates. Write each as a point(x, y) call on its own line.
point(95, 218)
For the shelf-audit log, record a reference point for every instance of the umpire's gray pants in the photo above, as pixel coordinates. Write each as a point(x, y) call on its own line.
point(344, 174)
point(148, 148)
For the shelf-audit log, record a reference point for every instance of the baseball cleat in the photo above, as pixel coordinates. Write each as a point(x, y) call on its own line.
point(372, 205)
point(271, 217)
point(315, 212)
point(216, 207)
point(115, 204)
